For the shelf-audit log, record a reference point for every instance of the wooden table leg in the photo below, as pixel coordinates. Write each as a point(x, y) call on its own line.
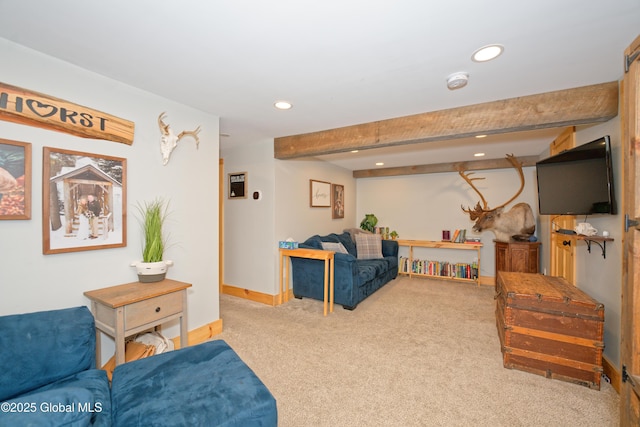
point(286, 280)
point(326, 284)
point(94, 308)
point(331, 285)
point(120, 348)
point(280, 284)
point(184, 333)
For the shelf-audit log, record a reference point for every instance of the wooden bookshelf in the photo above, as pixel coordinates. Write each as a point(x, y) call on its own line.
point(411, 244)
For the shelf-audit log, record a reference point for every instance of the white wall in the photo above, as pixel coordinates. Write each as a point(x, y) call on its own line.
point(31, 281)
point(249, 224)
point(253, 228)
point(294, 216)
point(419, 207)
point(599, 277)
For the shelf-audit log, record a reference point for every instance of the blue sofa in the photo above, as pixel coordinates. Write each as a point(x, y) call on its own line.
point(49, 379)
point(354, 279)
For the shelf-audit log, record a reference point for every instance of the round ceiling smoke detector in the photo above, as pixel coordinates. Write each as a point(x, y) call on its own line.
point(457, 80)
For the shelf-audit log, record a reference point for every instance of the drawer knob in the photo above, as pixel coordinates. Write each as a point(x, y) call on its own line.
point(157, 309)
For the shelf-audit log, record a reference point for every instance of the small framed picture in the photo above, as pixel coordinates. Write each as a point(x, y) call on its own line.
point(238, 185)
point(84, 200)
point(337, 201)
point(319, 194)
point(15, 179)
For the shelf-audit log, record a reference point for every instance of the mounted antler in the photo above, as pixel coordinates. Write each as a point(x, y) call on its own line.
point(517, 223)
point(193, 133)
point(477, 210)
point(475, 213)
point(169, 140)
point(518, 166)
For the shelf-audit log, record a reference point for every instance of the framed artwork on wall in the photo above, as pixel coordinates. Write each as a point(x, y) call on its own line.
point(15, 179)
point(84, 201)
point(337, 201)
point(238, 185)
point(319, 194)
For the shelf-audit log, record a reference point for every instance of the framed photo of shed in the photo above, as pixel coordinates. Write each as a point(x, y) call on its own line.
point(319, 194)
point(84, 201)
point(337, 201)
point(238, 185)
point(15, 179)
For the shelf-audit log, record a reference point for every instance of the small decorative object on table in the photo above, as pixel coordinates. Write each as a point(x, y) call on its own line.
point(287, 244)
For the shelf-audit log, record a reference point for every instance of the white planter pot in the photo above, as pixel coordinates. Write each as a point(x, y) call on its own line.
point(149, 272)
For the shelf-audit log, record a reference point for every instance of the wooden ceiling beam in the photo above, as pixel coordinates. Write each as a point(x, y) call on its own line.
point(475, 165)
point(583, 105)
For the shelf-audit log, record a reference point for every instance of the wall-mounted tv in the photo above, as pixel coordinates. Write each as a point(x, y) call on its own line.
point(578, 181)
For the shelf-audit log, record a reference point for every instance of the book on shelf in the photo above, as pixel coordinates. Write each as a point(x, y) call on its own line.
point(459, 236)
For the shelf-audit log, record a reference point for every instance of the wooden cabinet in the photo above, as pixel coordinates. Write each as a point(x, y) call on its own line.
point(519, 257)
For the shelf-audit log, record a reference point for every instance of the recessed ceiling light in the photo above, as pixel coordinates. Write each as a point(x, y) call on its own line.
point(354, 151)
point(380, 164)
point(282, 105)
point(478, 155)
point(481, 136)
point(487, 53)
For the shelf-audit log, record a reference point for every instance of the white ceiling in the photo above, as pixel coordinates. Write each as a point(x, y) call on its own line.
point(339, 62)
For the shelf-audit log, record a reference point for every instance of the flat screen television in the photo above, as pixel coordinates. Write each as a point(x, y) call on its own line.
point(578, 181)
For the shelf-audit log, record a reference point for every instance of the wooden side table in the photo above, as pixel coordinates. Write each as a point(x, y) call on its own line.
point(327, 256)
point(123, 310)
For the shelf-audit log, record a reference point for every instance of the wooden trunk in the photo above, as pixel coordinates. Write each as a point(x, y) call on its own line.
point(549, 327)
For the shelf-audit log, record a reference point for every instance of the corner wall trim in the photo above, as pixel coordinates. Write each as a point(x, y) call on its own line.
point(612, 373)
point(201, 334)
point(260, 297)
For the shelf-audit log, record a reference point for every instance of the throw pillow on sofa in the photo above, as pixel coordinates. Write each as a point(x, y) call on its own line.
point(369, 246)
point(336, 247)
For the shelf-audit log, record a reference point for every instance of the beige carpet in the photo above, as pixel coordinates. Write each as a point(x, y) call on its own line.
point(416, 353)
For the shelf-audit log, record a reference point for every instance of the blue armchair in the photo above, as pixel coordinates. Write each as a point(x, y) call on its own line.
point(49, 379)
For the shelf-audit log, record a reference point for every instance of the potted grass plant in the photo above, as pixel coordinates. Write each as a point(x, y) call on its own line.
point(152, 216)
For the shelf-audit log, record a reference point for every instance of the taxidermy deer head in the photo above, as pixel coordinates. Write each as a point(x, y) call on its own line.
point(517, 224)
point(169, 140)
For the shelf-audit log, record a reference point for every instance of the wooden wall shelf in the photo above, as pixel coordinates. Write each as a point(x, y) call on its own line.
point(598, 240)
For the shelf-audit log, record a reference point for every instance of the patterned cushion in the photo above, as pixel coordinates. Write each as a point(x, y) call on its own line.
point(369, 246)
point(336, 247)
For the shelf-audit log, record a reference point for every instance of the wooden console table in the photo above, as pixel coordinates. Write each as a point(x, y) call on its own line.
point(123, 310)
point(327, 256)
point(411, 244)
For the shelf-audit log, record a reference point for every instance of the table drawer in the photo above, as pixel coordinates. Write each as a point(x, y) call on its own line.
point(153, 309)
